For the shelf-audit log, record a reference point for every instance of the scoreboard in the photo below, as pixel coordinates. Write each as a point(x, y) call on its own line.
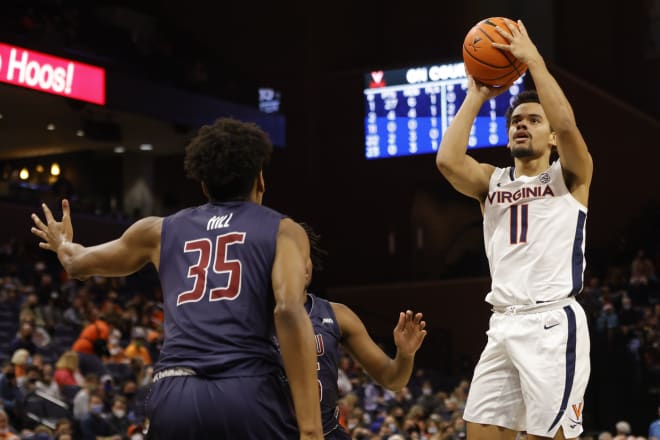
point(408, 110)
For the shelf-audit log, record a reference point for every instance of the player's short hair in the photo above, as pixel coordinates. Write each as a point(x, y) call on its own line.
point(227, 157)
point(522, 98)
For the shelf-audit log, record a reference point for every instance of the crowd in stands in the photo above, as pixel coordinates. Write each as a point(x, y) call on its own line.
point(77, 359)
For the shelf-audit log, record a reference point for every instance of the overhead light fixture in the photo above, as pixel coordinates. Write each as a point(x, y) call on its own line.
point(119, 149)
point(54, 169)
point(24, 174)
point(50, 127)
point(80, 133)
point(39, 168)
point(146, 147)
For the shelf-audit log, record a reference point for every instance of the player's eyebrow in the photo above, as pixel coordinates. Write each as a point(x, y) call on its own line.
point(530, 115)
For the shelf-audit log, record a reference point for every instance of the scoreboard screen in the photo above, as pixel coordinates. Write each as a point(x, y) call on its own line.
point(408, 110)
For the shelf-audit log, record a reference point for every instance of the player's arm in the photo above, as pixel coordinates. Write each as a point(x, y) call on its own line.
point(293, 326)
point(464, 173)
point(138, 245)
point(576, 161)
point(409, 333)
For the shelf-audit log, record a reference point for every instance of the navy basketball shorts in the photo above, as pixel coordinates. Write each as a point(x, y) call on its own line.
point(256, 408)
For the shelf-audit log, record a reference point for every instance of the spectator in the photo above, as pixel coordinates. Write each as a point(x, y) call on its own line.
point(6, 430)
point(95, 423)
point(642, 270)
point(92, 345)
point(137, 348)
point(24, 339)
point(623, 430)
point(654, 428)
point(46, 384)
point(81, 406)
point(20, 360)
point(66, 370)
point(118, 419)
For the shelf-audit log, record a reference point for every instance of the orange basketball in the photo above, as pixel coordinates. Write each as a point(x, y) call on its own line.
point(486, 63)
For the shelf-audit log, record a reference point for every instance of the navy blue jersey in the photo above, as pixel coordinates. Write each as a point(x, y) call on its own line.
point(215, 270)
point(328, 336)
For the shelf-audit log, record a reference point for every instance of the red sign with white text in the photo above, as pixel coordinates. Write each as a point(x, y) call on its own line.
point(46, 73)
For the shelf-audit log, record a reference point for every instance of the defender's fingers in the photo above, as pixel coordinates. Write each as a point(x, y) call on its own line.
point(46, 246)
point(37, 221)
point(47, 213)
point(66, 209)
point(523, 29)
point(39, 233)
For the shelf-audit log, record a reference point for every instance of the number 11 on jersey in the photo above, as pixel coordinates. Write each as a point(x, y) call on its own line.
point(518, 224)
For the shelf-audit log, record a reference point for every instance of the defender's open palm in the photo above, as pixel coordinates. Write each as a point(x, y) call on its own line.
point(409, 333)
point(53, 233)
point(520, 45)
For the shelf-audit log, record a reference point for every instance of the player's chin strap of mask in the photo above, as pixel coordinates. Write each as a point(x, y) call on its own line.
point(172, 372)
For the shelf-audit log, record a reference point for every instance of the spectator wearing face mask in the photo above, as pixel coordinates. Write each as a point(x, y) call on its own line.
point(96, 423)
point(119, 417)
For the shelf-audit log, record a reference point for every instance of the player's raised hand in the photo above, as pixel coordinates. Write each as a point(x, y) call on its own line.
point(520, 45)
point(409, 333)
point(53, 233)
point(485, 92)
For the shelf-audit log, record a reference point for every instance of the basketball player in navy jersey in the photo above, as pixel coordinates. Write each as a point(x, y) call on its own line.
point(233, 274)
point(534, 370)
point(336, 324)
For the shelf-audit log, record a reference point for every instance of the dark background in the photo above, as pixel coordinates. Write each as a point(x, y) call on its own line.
point(397, 234)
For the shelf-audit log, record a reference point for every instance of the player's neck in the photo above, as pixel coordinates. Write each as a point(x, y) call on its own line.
point(530, 166)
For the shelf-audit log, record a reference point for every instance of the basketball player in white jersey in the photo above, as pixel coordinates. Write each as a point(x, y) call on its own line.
point(534, 369)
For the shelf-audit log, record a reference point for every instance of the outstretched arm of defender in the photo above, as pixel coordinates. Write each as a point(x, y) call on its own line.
point(575, 157)
point(139, 245)
point(409, 334)
point(464, 173)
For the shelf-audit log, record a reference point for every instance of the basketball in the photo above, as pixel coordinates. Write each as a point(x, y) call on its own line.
point(485, 63)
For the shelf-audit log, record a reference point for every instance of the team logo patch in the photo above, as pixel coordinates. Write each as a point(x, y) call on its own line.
point(544, 178)
point(328, 321)
point(577, 412)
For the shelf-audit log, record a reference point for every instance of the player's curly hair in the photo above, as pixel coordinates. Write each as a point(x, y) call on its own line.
point(317, 253)
point(227, 157)
point(521, 98)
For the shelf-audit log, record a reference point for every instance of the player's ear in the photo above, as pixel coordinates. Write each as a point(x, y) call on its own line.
point(553, 139)
point(261, 185)
point(205, 190)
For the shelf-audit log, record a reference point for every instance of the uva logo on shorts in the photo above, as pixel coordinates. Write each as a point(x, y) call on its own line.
point(577, 412)
point(544, 178)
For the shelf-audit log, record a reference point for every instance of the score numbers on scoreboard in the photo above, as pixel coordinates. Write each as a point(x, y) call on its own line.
point(408, 110)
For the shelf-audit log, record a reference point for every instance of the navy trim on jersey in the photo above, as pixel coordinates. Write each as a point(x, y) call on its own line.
point(570, 364)
point(523, 224)
point(512, 173)
point(578, 256)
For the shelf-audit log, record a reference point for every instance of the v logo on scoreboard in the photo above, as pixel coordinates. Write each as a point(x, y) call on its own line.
point(377, 76)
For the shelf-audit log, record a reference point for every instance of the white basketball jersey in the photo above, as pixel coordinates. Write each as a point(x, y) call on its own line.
point(534, 233)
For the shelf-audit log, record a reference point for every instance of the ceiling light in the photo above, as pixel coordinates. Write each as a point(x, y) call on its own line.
point(80, 133)
point(24, 174)
point(55, 169)
point(119, 149)
point(39, 168)
point(50, 127)
point(146, 147)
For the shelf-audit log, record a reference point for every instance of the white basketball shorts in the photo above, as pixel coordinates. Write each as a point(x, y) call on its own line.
point(533, 373)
